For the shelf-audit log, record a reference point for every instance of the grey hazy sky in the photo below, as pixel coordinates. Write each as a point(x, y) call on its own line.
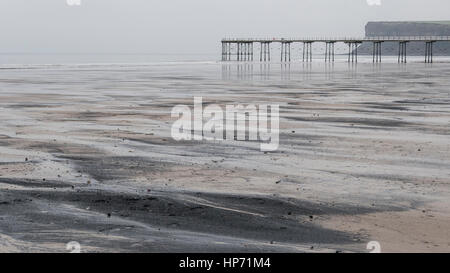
point(188, 26)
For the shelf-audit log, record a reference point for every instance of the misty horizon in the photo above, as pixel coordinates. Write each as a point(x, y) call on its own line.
point(193, 27)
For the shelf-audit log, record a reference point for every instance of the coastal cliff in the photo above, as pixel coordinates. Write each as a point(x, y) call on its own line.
point(432, 28)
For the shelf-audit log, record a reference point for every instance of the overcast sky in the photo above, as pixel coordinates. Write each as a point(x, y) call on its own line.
point(188, 26)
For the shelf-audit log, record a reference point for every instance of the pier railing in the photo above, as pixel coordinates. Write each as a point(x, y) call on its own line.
point(340, 39)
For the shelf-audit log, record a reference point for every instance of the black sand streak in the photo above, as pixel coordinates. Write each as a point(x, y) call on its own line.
point(260, 218)
point(115, 168)
point(361, 121)
point(386, 106)
point(34, 183)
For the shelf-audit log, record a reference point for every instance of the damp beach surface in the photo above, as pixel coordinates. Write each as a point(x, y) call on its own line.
point(86, 155)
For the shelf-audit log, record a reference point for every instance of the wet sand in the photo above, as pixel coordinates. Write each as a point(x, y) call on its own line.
point(87, 156)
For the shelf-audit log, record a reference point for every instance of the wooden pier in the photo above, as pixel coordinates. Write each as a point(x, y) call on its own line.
point(243, 49)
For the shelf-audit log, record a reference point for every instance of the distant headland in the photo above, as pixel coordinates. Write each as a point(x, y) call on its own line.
point(408, 28)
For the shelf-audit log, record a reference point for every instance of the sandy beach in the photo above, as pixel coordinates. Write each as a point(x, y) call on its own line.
point(86, 155)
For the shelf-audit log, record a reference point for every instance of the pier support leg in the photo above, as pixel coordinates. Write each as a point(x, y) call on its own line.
point(286, 51)
point(304, 46)
point(247, 51)
point(289, 52)
point(353, 51)
point(261, 48)
point(429, 52)
point(431, 49)
point(307, 51)
point(405, 47)
point(349, 51)
point(265, 52)
point(373, 51)
point(329, 51)
point(332, 48)
point(377, 52)
point(402, 52)
point(223, 51)
point(238, 52)
point(310, 52)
